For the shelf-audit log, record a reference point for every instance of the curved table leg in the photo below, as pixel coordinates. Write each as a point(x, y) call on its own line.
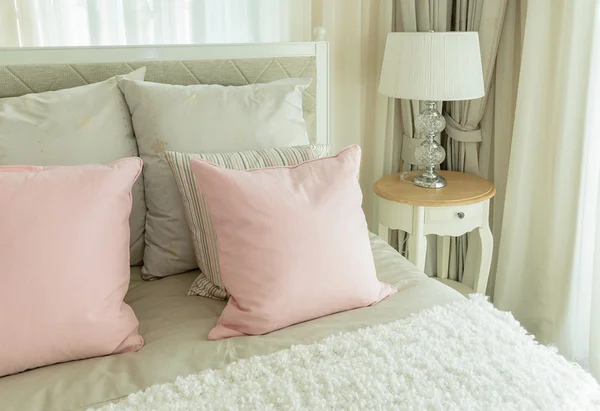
point(443, 256)
point(384, 232)
point(487, 244)
point(417, 250)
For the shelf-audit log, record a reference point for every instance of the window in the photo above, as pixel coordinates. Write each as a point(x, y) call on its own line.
point(28, 23)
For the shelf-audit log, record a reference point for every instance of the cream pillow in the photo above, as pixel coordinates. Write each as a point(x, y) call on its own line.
point(89, 124)
point(194, 119)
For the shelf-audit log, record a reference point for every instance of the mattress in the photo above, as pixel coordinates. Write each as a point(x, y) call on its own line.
point(175, 329)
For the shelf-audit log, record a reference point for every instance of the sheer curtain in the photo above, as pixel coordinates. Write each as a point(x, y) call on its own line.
point(118, 22)
point(579, 331)
point(548, 271)
point(356, 31)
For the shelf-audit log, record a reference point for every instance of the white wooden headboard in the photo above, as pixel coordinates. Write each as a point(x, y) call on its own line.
point(26, 70)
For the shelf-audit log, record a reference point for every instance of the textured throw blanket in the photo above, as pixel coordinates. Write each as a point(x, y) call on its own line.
point(462, 356)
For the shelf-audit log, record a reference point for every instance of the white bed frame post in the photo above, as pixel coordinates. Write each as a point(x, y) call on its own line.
point(323, 132)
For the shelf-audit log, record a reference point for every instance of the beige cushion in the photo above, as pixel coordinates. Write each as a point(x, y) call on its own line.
point(201, 119)
point(82, 125)
point(209, 283)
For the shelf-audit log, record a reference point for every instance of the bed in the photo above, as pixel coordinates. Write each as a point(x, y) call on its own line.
point(174, 325)
point(176, 342)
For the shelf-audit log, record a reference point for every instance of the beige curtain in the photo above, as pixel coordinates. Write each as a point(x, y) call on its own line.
point(548, 271)
point(356, 31)
point(464, 117)
point(497, 122)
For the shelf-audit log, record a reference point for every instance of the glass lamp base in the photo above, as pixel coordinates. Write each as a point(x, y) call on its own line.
point(433, 181)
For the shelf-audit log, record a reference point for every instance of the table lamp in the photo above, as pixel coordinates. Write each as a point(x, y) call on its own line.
point(431, 66)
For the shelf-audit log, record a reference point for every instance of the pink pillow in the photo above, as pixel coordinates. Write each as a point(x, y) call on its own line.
point(64, 263)
point(292, 242)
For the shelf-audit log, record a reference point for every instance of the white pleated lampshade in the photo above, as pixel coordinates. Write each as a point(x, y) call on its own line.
point(432, 66)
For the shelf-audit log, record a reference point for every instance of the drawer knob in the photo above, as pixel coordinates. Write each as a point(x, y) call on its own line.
point(461, 215)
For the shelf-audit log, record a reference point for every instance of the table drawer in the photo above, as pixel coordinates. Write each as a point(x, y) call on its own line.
point(454, 213)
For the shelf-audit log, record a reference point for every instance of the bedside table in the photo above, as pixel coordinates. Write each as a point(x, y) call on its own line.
point(459, 208)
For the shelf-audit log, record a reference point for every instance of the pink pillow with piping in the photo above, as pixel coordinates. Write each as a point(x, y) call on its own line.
point(64, 263)
point(292, 242)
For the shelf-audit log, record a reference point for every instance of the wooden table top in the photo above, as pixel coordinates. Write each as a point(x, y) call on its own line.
point(461, 189)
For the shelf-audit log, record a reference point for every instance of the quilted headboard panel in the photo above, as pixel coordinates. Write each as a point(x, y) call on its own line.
point(16, 80)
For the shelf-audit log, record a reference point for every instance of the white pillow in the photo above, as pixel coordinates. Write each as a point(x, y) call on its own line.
point(89, 124)
point(201, 119)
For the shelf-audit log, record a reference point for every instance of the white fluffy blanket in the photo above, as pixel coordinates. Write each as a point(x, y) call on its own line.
point(463, 356)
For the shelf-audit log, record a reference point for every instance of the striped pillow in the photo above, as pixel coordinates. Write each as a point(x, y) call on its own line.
point(208, 283)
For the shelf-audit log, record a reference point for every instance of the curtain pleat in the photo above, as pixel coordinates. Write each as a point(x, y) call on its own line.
point(498, 120)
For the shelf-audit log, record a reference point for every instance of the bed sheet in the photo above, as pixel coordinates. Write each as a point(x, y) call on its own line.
point(175, 329)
